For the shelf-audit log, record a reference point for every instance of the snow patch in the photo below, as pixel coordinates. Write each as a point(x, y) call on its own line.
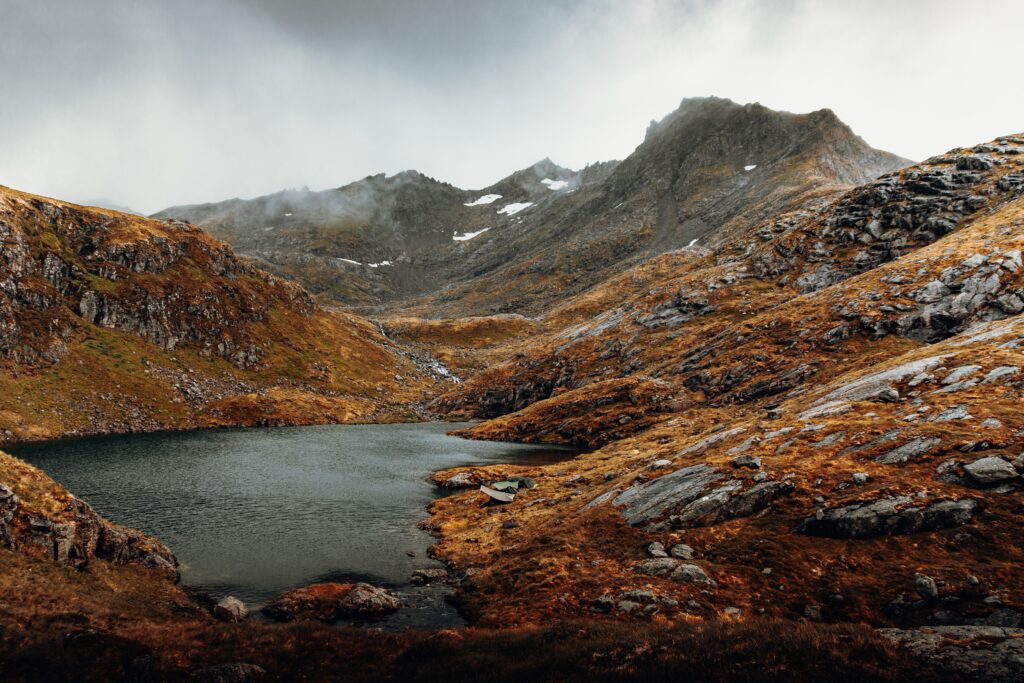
point(751, 167)
point(513, 209)
point(378, 265)
point(469, 235)
point(348, 260)
point(693, 241)
point(555, 184)
point(486, 199)
point(287, 214)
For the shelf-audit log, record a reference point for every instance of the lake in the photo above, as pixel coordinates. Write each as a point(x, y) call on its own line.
point(254, 512)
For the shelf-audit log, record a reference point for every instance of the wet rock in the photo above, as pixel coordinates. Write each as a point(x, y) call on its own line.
point(421, 577)
point(231, 609)
point(990, 471)
point(896, 515)
point(330, 601)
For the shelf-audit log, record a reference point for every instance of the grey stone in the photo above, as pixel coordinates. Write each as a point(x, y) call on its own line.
point(926, 587)
point(990, 471)
point(230, 609)
point(682, 551)
point(860, 478)
point(656, 549)
point(746, 461)
point(691, 573)
point(960, 373)
point(890, 516)
point(908, 451)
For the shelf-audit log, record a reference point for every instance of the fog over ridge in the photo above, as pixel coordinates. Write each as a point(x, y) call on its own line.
point(152, 104)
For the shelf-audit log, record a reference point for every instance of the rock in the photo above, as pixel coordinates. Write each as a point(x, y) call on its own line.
point(658, 464)
point(746, 461)
point(953, 413)
point(510, 524)
point(644, 597)
point(729, 502)
point(656, 549)
point(910, 450)
point(999, 373)
point(524, 482)
point(682, 551)
point(603, 604)
point(860, 478)
point(990, 471)
point(238, 672)
point(628, 606)
point(891, 516)
point(421, 577)
point(330, 601)
point(642, 502)
point(926, 587)
point(661, 566)
point(367, 600)
point(984, 653)
point(460, 480)
point(690, 573)
point(960, 373)
point(230, 609)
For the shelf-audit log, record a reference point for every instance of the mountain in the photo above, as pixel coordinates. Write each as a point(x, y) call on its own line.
point(415, 244)
point(816, 419)
point(111, 322)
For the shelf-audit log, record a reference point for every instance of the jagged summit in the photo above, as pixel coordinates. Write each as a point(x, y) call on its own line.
point(704, 173)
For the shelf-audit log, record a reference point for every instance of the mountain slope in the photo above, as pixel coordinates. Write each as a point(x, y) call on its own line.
point(824, 411)
point(710, 168)
point(112, 322)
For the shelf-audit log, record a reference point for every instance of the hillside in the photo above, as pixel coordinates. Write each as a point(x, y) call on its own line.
point(816, 420)
point(111, 322)
point(710, 169)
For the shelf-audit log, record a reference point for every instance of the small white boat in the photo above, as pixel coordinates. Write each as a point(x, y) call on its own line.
point(499, 496)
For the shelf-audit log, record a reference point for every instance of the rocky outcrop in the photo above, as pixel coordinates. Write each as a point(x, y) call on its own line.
point(989, 653)
point(892, 516)
point(687, 498)
point(77, 536)
point(164, 281)
point(331, 601)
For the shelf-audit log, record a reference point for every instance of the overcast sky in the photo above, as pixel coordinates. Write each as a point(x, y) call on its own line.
point(151, 103)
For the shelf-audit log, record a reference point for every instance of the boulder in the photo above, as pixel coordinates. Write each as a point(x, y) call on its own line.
point(656, 549)
point(671, 568)
point(421, 577)
point(926, 587)
point(990, 471)
point(746, 461)
point(330, 601)
point(682, 551)
point(230, 609)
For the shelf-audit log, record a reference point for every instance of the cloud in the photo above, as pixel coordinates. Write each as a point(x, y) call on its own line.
point(157, 103)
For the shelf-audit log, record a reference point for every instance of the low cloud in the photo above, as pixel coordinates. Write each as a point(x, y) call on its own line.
point(152, 103)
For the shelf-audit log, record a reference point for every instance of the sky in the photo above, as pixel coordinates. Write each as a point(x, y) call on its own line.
point(152, 103)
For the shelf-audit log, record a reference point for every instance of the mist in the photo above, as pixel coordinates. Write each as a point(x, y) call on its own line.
point(150, 104)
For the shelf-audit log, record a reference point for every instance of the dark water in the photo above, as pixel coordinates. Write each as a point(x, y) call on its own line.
point(254, 512)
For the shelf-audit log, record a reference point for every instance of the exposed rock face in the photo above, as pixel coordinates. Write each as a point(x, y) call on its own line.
point(686, 182)
point(989, 653)
point(330, 601)
point(688, 500)
point(74, 535)
point(888, 517)
point(129, 274)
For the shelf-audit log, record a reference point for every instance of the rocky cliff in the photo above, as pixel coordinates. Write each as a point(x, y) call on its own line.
point(113, 322)
point(815, 419)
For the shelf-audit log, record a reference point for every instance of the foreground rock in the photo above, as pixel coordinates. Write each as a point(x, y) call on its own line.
point(330, 601)
point(231, 609)
point(893, 516)
point(985, 653)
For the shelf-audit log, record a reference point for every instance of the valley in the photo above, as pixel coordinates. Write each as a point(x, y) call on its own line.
point(789, 364)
